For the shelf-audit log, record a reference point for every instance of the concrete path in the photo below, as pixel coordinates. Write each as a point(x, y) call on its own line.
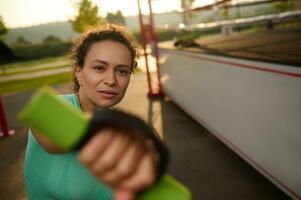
point(205, 165)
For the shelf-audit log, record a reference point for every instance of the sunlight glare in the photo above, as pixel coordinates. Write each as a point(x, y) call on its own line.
point(18, 13)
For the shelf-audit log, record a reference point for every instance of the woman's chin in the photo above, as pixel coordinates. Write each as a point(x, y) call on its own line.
point(108, 103)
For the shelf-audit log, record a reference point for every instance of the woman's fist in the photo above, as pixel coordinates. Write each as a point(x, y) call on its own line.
point(122, 159)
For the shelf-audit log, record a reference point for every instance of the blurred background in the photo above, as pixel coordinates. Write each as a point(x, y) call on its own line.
point(41, 31)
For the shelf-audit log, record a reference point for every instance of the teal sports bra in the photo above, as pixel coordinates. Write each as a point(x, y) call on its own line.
point(59, 176)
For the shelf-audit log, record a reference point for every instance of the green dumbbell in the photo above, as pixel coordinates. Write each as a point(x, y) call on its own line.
point(50, 115)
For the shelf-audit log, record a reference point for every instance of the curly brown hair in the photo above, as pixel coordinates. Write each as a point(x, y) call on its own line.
point(113, 32)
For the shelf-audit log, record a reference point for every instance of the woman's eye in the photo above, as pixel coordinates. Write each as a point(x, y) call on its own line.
point(124, 71)
point(99, 68)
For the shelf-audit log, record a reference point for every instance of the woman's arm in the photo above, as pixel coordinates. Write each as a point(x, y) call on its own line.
point(46, 144)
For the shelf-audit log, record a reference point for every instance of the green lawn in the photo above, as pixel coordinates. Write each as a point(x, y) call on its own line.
point(21, 85)
point(31, 69)
point(33, 65)
point(35, 62)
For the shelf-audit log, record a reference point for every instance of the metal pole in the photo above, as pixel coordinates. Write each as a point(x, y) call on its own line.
point(143, 41)
point(185, 12)
point(3, 122)
point(155, 43)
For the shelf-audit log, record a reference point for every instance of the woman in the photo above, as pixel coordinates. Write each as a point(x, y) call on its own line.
point(103, 61)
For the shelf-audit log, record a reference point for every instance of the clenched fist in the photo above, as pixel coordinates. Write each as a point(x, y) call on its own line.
point(123, 159)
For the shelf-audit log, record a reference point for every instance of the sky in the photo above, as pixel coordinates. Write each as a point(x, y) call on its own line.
point(22, 13)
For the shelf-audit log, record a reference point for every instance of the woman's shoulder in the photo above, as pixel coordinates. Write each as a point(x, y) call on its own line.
point(71, 98)
point(68, 97)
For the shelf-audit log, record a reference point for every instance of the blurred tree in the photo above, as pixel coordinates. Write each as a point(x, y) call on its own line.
point(3, 28)
point(51, 39)
point(21, 41)
point(116, 18)
point(87, 16)
point(6, 54)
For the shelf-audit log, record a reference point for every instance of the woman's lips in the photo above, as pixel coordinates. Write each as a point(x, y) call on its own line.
point(107, 93)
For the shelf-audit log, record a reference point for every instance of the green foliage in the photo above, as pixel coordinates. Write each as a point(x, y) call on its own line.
point(42, 50)
point(283, 6)
point(34, 63)
point(50, 39)
point(187, 35)
point(116, 18)
point(164, 35)
point(21, 41)
point(3, 28)
point(87, 16)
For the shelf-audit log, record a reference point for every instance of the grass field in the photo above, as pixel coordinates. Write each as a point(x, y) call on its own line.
point(26, 84)
point(30, 67)
point(34, 65)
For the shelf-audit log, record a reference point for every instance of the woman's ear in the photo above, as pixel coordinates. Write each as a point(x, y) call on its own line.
point(78, 72)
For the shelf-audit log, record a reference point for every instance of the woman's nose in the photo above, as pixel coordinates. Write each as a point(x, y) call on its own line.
point(110, 79)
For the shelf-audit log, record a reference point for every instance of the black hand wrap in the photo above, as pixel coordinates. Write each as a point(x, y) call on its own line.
point(107, 117)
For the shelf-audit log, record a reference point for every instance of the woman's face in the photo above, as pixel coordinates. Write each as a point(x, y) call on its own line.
point(105, 75)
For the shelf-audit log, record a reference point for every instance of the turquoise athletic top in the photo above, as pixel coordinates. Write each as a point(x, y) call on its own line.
point(59, 176)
